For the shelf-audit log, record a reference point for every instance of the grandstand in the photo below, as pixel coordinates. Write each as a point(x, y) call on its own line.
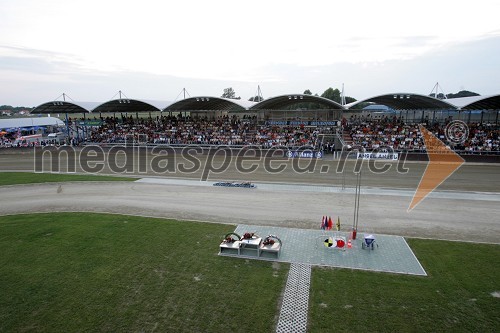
point(291, 120)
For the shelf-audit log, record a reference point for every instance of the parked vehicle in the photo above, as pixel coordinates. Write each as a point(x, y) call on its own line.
point(28, 140)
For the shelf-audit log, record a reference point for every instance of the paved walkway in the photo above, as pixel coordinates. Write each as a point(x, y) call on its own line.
point(307, 247)
point(293, 313)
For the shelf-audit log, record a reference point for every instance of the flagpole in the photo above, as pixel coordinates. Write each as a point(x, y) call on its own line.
point(356, 205)
point(354, 217)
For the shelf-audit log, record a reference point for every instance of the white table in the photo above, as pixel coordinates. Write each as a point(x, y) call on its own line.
point(230, 247)
point(252, 244)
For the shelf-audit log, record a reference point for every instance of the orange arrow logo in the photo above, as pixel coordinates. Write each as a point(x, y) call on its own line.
point(443, 162)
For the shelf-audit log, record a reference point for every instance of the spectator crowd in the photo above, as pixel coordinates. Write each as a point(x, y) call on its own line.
point(394, 133)
point(223, 130)
point(358, 132)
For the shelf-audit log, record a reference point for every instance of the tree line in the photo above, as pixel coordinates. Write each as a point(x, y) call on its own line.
point(15, 109)
point(461, 93)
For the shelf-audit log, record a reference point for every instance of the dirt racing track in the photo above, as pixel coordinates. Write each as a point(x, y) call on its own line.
point(443, 216)
point(464, 208)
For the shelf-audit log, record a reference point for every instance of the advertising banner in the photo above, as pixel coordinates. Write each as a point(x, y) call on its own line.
point(378, 156)
point(304, 154)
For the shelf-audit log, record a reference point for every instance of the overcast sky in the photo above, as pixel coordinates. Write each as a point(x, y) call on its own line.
point(90, 49)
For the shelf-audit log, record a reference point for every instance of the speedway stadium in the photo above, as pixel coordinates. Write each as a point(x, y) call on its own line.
point(276, 167)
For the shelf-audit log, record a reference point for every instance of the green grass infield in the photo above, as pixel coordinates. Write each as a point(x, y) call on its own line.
point(17, 178)
point(460, 293)
point(74, 272)
point(112, 273)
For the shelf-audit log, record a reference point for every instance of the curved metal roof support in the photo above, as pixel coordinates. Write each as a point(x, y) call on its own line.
point(207, 103)
point(408, 101)
point(60, 107)
point(125, 105)
point(284, 101)
point(484, 103)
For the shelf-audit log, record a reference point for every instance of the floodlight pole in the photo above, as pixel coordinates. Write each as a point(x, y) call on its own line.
point(343, 177)
point(67, 127)
point(356, 204)
point(84, 128)
point(259, 94)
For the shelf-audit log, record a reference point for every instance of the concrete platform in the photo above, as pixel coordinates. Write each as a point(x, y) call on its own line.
point(305, 246)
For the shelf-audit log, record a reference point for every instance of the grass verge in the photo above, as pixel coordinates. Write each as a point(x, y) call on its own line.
point(15, 178)
point(457, 296)
point(72, 272)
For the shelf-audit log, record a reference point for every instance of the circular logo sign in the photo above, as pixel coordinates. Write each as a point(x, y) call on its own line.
point(456, 132)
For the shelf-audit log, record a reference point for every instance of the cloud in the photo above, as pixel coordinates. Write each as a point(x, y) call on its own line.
point(31, 77)
point(39, 61)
